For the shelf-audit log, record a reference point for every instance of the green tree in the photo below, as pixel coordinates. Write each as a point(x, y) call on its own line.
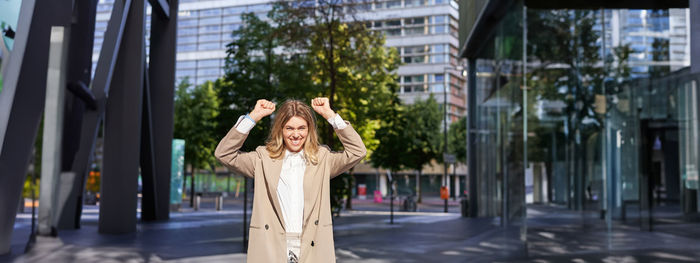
point(306, 52)
point(196, 111)
point(457, 139)
point(254, 70)
point(389, 154)
point(423, 136)
point(348, 62)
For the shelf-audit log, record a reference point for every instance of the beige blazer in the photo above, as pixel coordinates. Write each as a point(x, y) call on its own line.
point(267, 241)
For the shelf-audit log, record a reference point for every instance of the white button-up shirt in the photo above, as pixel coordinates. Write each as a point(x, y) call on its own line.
point(290, 189)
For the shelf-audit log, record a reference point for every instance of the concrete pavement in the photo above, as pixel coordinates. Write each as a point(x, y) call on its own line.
point(553, 235)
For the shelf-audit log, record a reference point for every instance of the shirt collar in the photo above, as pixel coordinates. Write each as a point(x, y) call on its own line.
point(289, 154)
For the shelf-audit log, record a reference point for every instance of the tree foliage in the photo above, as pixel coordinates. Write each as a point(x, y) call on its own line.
point(457, 139)
point(410, 137)
point(348, 62)
point(393, 146)
point(196, 112)
point(307, 50)
point(423, 133)
point(255, 69)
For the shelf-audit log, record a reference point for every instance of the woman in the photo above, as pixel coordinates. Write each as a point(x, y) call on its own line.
point(291, 219)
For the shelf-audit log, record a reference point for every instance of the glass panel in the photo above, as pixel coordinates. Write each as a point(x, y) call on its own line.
point(186, 64)
point(610, 90)
point(210, 12)
point(415, 21)
point(210, 21)
point(688, 142)
point(499, 120)
point(414, 31)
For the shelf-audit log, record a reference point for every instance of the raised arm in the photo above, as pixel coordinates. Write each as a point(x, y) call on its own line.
point(355, 149)
point(228, 151)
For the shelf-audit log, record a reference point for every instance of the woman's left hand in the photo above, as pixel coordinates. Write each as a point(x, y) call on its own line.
point(323, 107)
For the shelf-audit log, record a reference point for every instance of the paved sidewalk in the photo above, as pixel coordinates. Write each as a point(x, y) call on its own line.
point(553, 235)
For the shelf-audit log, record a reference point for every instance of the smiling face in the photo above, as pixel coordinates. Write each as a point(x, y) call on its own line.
point(295, 132)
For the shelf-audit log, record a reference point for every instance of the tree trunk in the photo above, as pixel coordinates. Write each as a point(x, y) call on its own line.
point(419, 196)
point(192, 186)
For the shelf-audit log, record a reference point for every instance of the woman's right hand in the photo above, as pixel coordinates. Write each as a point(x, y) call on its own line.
point(262, 109)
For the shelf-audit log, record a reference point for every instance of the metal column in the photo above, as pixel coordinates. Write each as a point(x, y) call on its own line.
point(472, 138)
point(22, 103)
point(122, 129)
point(161, 74)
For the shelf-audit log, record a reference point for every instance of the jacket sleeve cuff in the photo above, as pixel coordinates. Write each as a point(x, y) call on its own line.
point(244, 124)
point(337, 122)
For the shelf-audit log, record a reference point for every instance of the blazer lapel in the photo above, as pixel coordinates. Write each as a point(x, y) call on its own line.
point(311, 192)
point(272, 176)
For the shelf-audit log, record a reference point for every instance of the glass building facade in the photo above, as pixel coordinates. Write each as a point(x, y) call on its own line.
point(592, 109)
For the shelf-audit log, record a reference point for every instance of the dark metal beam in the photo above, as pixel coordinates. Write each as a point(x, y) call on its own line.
point(79, 76)
point(22, 102)
point(162, 7)
point(122, 129)
point(161, 77)
point(483, 27)
point(472, 139)
point(100, 88)
point(149, 200)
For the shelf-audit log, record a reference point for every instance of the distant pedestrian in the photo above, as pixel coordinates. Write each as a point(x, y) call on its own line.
point(291, 220)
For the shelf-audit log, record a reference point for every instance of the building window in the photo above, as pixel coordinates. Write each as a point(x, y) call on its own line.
point(208, 63)
point(186, 64)
point(415, 21)
point(210, 12)
point(210, 29)
point(391, 4)
point(393, 32)
point(441, 29)
point(186, 23)
point(186, 47)
point(234, 10)
point(413, 79)
point(209, 38)
point(411, 3)
point(414, 31)
point(414, 59)
point(209, 46)
point(210, 21)
point(186, 31)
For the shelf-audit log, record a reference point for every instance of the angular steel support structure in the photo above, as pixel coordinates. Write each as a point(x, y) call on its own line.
point(142, 96)
point(161, 82)
point(22, 102)
point(122, 129)
point(78, 101)
point(472, 139)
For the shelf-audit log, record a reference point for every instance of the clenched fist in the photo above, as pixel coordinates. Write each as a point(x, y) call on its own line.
point(262, 108)
point(323, 107)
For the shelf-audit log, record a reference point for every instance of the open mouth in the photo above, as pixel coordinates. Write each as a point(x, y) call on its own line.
point(295, 142)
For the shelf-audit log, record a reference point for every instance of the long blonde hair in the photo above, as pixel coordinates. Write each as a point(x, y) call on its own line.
point(275, 141)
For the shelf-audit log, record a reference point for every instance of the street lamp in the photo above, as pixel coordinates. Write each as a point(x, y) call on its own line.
point(445, 155)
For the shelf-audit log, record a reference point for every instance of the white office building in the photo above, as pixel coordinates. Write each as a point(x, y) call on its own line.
point(423, 31)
